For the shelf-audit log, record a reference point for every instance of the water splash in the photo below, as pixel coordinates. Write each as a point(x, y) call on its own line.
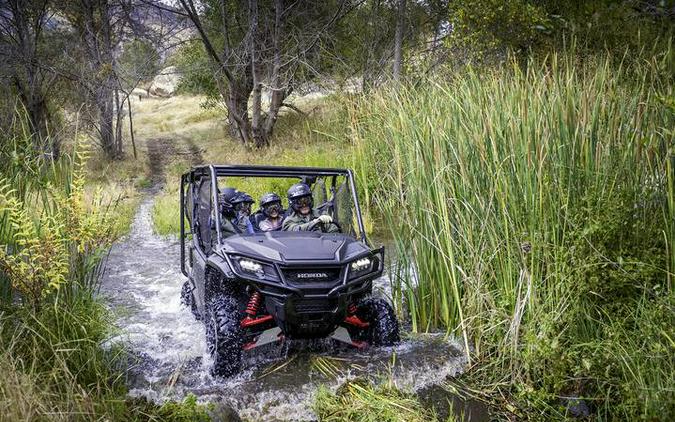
point(142, 284)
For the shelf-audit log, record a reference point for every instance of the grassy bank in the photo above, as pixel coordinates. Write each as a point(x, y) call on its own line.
point(534, 215)
point(55, 230)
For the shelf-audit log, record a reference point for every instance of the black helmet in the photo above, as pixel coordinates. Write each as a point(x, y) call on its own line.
point(240, 201)
point(225, 200)
point(297, 191)
point(242, 197)
point(269, 201)
point(268, 198)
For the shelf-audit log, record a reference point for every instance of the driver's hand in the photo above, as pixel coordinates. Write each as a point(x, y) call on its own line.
point(325, 219)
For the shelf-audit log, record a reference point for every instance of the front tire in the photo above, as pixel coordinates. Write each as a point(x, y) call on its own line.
point(224, 336)
point(383, 325)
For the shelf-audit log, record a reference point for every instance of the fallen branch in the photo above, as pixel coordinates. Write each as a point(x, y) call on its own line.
point(294, 108)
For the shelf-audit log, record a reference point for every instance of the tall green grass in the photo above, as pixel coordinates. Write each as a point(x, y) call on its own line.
point(533, 212)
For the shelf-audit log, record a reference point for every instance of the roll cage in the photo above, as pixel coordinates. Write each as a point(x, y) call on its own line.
point(210, 174)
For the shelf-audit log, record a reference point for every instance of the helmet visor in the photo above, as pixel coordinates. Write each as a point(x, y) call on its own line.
point(244, 207)
point(272, 208)
point(305, 201)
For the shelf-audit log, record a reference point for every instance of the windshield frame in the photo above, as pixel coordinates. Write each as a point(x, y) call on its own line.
point(282, 172)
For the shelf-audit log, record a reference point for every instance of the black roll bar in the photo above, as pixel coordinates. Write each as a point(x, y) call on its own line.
point(182, 225)
point(215, 171)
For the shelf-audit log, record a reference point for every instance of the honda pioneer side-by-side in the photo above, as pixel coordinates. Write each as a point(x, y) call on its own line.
point(254, 287)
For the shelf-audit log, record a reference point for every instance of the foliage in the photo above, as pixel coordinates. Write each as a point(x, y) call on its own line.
point(487, 31)
point(361, 402)
point(533, 215)
point(490, 29)
point(139, 62)
point(198, 76)
point(39, 265)
point(54, 368)
point(52, 237)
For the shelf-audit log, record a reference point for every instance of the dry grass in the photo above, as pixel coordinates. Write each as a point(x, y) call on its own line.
point(299, 140)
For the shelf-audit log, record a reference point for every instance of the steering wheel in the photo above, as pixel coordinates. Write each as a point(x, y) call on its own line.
point(327, 225)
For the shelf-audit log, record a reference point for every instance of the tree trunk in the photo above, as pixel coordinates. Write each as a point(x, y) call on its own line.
point(24, 28)
point(104, 104)
point(37, 113)
point(96, 32)
point(237, 108)
point(398, 42)
point(131, 127)
point(119, 114)
point(259, 139)
point(278, 93)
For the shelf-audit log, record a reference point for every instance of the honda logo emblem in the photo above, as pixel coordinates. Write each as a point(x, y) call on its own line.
point(312, 275)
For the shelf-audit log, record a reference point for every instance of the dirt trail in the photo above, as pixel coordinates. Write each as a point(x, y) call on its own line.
point(162, 151)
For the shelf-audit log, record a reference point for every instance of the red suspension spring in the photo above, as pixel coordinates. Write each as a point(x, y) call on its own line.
point(352, 309)
point(253, 304)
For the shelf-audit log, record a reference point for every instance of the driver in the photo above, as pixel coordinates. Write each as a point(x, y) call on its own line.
point(242, 203)
point(303, 217)
point(270, 205)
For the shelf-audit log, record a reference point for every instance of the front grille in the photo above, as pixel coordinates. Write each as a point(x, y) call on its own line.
point(312, 275)
point(315, 305)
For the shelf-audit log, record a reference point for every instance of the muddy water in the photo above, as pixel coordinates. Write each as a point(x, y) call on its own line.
point(142, 284)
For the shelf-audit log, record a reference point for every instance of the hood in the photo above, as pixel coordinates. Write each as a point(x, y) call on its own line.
point(283, 246)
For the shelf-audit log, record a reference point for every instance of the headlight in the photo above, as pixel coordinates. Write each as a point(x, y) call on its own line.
point(252, 267)
point(361, 264)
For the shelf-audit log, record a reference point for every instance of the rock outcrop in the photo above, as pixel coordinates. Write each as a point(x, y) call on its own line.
point(165, 83)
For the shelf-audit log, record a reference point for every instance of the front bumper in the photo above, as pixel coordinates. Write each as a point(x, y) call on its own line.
point(312, 316)
point(312, 308)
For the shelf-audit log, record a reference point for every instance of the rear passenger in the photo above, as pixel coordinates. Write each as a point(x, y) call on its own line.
point(272, 212)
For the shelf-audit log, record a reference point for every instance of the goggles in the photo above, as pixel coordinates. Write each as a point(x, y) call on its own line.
point(243, 206)
point(274, 206)
point(305, 201)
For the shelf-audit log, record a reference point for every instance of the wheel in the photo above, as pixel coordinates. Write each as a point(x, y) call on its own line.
point(383, 326)
point(187, 299)
point(224, 336)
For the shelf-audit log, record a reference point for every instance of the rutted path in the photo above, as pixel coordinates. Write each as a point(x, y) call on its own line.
point(142, 283)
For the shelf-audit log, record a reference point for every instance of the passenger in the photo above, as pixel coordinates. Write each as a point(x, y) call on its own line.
point(303, 217)
point(242, 207)
point(227, 211)
point(270, 206)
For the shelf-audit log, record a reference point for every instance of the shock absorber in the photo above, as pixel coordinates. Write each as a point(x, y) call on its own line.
point(352, 309)
point(252, 310)
point(353, 319)
point(253, 304)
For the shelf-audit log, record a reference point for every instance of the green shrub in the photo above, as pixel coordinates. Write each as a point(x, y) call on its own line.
point(53, 237)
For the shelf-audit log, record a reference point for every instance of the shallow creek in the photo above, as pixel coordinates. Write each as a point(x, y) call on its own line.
point(142, 284)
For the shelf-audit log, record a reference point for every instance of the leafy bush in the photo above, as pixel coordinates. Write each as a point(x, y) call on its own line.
point(55, 241)
point(53, 238)
point(488, 31)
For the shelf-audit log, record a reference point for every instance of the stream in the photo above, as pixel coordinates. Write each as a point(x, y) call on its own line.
point(142, 284)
